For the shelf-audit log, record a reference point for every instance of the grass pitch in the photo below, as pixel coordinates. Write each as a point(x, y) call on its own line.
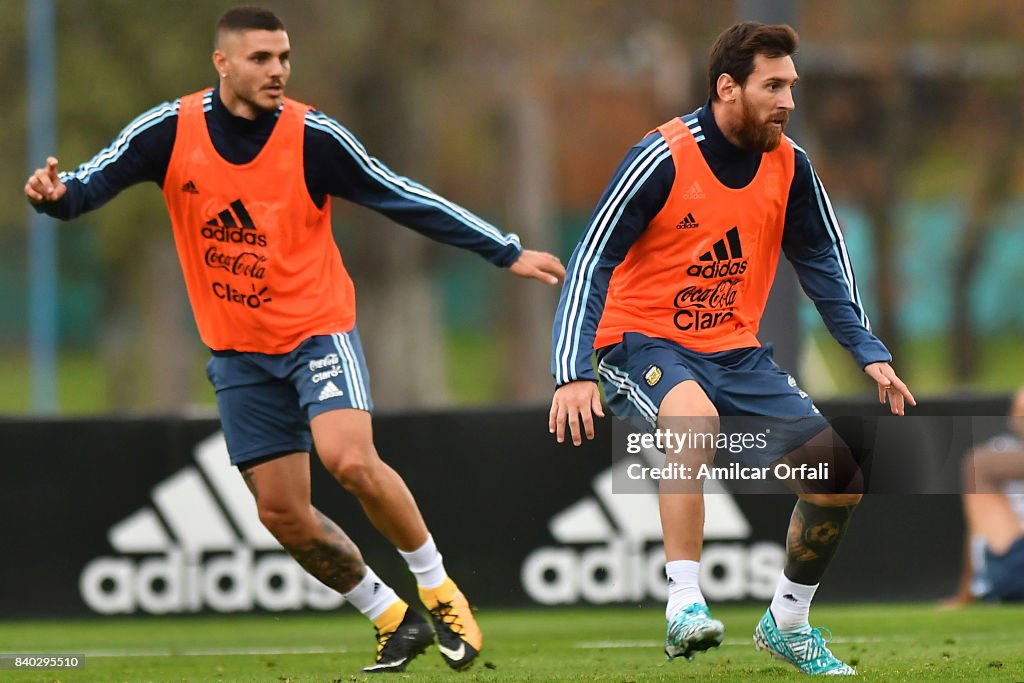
point(884, 642)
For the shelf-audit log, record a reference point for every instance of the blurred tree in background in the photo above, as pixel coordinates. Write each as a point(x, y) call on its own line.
point(520, 111)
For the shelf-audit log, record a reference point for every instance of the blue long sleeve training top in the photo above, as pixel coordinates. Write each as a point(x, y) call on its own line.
point(335, 164)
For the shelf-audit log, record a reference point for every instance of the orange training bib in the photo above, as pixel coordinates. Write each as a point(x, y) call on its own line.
point(700, 273)
point(261, 266)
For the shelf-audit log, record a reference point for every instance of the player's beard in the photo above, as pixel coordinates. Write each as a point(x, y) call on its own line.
point(256, 98)
point(759, 135)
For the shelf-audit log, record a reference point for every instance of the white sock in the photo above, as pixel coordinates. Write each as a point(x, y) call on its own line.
point(426, 563)
point(792, 602)
point(371, 596)
point(683, 588)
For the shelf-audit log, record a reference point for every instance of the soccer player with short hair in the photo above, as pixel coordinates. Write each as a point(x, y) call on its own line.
point(668, 285)
point(248, 175)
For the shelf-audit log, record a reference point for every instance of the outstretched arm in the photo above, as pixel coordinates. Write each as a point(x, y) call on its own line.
point(337, 164)
point(140, 153)
point(813, 243)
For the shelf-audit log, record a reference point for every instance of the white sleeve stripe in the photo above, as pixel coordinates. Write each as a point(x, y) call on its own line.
point(401, 185)
point(838, 245)
point(844, 256)
point(353, 372)
point(116, 149)
point(593, 234)
point(593, 243)
point(578, 327)
point(348, 374)
point(627, 387)
point(601, 230)
point(413, 190)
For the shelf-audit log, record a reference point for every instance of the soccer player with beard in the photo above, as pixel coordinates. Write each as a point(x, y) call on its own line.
point(668, 285)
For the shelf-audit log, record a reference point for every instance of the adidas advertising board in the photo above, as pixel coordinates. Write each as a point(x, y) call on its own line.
point(609, 550)
point(145, 516)
point(200, 545)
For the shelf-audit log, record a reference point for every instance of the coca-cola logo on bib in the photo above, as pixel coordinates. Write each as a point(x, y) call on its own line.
point(248, 264)
point(703, 308)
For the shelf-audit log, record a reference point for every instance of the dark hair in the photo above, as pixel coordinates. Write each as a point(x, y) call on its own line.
point(733, 52)
point(247, 18)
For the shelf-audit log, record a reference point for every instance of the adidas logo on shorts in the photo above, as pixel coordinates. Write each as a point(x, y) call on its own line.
point(330, 390)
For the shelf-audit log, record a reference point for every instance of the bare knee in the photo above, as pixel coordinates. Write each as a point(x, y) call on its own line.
point(831, 500)
point(291, 524)
point(688, 414)
point(686, 398)
point(841, 482)
point(687, 409)
point(355, 467)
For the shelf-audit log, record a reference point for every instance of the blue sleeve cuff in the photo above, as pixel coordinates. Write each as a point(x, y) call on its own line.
point(508, 254)
point(873, 351)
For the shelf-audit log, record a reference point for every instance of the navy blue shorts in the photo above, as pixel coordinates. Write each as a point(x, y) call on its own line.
point(267, 400)
point(1005, 573)
point(638, 373)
